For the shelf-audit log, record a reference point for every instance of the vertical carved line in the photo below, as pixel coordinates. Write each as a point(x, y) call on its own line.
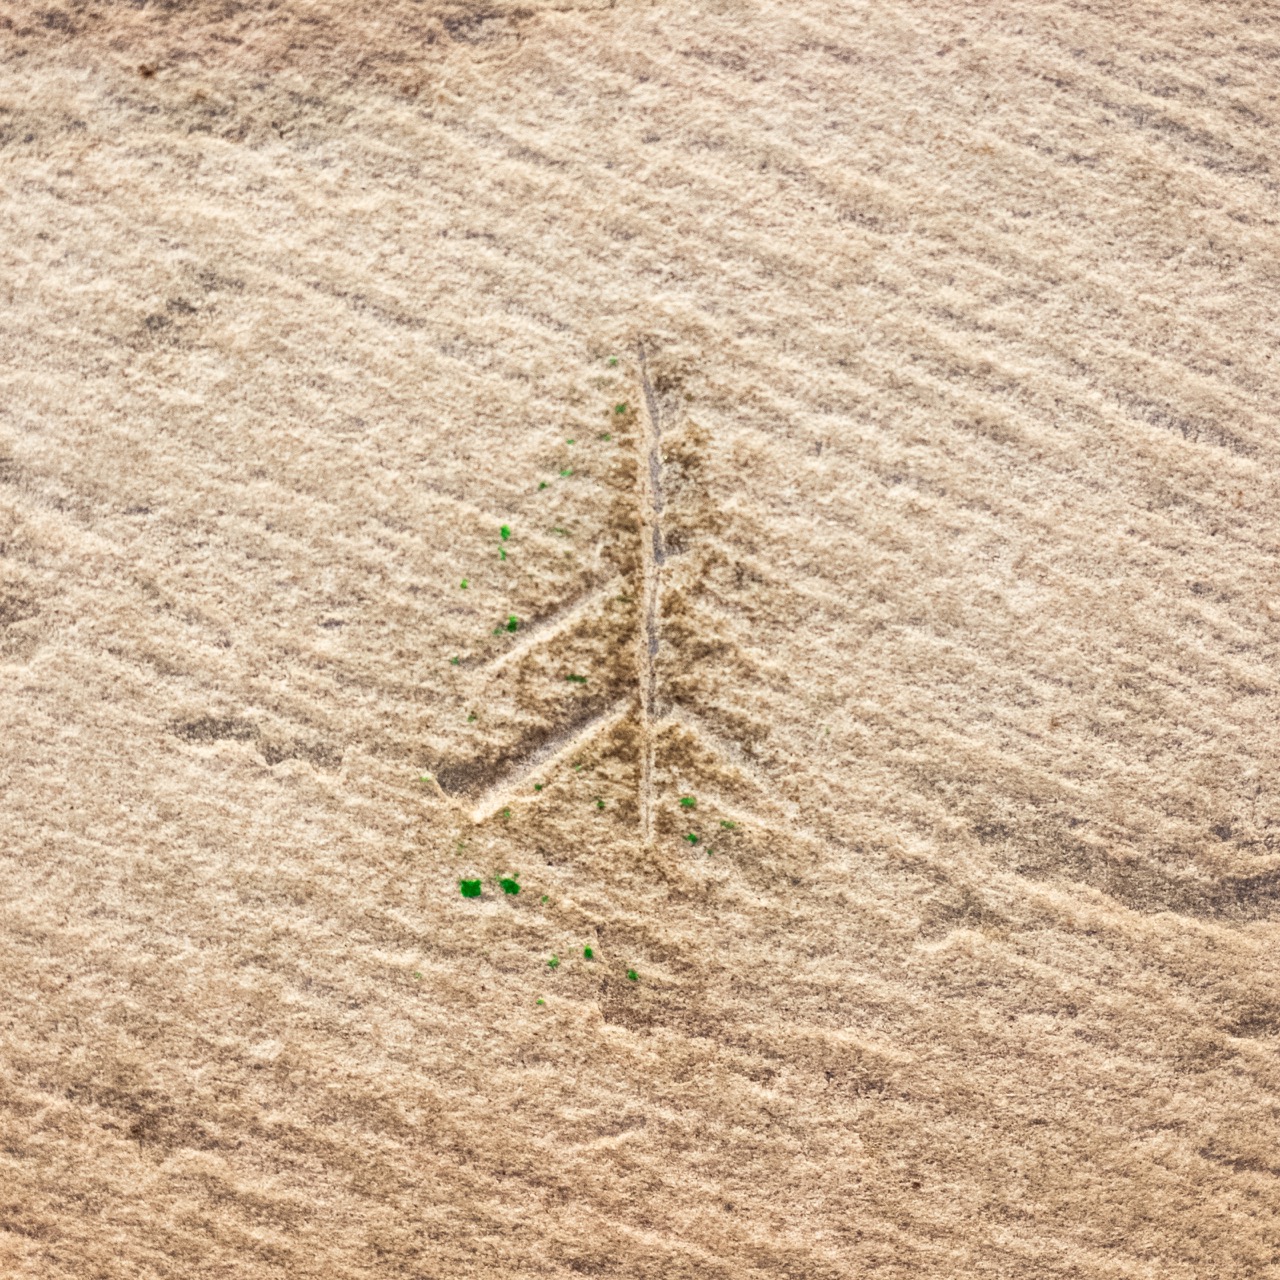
point(652, 555)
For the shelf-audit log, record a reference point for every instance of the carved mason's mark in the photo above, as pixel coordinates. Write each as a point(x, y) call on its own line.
point(592, 666)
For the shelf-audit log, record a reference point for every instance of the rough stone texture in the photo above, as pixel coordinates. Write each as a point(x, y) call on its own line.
point(960, 329)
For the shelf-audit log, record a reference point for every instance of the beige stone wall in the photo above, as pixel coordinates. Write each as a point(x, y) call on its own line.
point(952, 599)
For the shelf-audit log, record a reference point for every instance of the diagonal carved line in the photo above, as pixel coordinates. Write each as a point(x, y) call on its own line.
point(685, 564)
point(750, 818)
point(728, 751)
point(786, 581)
point(651, 557)
point(782, 818)
point(563, 619)
point(550, 752)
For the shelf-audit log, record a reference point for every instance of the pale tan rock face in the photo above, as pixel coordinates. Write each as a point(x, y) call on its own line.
point(881, 403)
